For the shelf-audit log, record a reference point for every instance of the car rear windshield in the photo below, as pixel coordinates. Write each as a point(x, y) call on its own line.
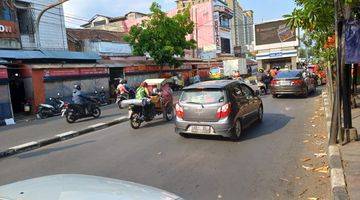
point(202, 96)
point(289, 74)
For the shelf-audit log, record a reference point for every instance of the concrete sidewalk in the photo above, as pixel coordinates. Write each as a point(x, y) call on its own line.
point(39, 129)
point(350, 154)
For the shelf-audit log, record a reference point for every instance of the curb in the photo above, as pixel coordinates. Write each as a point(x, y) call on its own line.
point(337, 177)
point(59, 137)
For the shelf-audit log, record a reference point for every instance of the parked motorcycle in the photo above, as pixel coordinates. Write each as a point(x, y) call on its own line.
point(74, 112)
point(145, 111)
point(54, 108)
point(101, 97)
point(122, 97)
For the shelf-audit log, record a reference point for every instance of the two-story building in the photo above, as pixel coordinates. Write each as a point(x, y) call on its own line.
point(35, 63)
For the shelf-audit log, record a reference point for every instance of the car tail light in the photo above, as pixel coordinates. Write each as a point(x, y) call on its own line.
point(297, 82)
point(179, 111)
point(223, 111)
point(274, 82)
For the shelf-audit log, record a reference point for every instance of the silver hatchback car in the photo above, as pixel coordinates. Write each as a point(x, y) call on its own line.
point(223, 107)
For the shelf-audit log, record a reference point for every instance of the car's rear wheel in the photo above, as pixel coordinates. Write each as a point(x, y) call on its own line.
point(238, 130)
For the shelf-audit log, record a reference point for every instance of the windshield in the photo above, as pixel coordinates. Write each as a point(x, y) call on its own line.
point(289, 74)
point(203, 96)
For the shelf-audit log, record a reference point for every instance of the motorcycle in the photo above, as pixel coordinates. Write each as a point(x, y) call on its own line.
point(126, 96)
point(145, 111)
point(101, 97)
point(54, 108)
point(74, 112)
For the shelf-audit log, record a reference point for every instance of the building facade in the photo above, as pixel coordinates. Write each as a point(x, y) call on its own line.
point(237, 25)
point(116, 24)
point(276, 45)
point(249, 30)
point(36, 64)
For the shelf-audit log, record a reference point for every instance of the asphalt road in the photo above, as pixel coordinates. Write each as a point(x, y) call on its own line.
point(196, 168)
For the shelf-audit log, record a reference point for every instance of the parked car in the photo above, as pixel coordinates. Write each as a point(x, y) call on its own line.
point(296, 82)
point(77, 186)
point(222, 107)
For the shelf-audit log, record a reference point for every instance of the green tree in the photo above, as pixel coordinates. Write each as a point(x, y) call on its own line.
point(162, 37)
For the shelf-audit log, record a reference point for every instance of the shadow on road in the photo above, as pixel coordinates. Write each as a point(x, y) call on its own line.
point(311, 95)
point(51, 150)
point(271, 123)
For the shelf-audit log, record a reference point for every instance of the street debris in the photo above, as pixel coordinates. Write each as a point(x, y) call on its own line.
point(313, 125)
point(313, 198)
point(323, 169)
point(298, 177)
point(303, 192)
point(307, 168)
point(305, 159)
point(159, 153)
point(305, 141)
point(320, 155)
point(219, 196)
point(284, 179)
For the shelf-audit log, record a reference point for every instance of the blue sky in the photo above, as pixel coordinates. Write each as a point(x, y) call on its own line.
point(78, 11)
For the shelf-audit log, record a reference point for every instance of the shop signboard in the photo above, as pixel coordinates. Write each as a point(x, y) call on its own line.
point(352, 37)
point(274, 32)
point(9, 28)
point(75, 72)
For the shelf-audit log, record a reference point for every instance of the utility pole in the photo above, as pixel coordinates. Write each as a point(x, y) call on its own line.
point(37, 23)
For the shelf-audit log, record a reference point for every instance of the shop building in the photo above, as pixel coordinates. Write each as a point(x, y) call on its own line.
point(36, 65)
point(276, 45)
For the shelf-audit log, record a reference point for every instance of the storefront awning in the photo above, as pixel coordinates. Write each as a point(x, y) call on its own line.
point(41, 54)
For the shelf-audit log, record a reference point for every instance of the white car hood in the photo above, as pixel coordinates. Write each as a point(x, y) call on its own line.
point(81, 187)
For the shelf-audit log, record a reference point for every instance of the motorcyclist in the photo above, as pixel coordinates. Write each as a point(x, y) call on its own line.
point(142, 91)
point(122, 89)
point(79, 99)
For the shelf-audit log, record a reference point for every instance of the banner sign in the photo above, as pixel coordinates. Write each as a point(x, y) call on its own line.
point(151, 69)
point(352, 38)
point(9, 29)
point(75, 72)
point(217, 32)
point(274, 32)
point(3, 74)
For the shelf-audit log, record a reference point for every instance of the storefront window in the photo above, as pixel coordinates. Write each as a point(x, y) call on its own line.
point(224, 22)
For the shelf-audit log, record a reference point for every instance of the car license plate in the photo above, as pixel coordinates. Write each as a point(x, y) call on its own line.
point(63, 111)
point(283, 83)
point(200, 129)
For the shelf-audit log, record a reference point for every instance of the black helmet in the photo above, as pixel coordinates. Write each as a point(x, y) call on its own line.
point(77, 87)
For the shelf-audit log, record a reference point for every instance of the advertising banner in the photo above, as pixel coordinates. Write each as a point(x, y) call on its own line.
point(274, 32)
point(217, 32)
point(352, 38)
